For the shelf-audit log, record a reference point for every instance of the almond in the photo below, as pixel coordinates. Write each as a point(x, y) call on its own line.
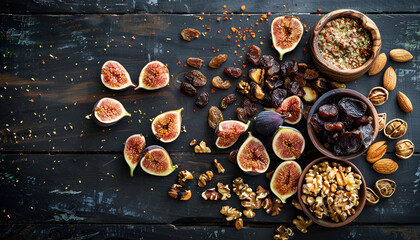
point(400, 55)
point(376, 151)
point(390, 79)
point(378, 64)
point(404, 102)
point(385, 166)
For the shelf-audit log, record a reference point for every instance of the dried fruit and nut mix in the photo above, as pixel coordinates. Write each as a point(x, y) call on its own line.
point(331, 191)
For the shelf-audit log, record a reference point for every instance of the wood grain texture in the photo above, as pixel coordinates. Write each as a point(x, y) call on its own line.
point(165, 231)
point(187, 6)
point(80, 188)
point(51, 64)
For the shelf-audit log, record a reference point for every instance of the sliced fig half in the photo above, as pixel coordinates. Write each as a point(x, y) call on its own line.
point(291, 106)
point(228, 132)
point(134, 146)
point(114, 76)
point(288, 143)
point(286, 32)
point(252, 156)
point(108, 111)
point(167, 126)
point(153, 76)
point(267, 122)
point(155, 160)
point(284, 182)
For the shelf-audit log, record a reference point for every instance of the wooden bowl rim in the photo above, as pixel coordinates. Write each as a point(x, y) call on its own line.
point(365, 21)
point(362, 194)
point(325, 97)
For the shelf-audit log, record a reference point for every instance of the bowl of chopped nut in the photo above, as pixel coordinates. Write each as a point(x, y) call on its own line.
point(331, 192)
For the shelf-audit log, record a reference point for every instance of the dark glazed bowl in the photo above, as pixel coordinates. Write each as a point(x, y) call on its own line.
point(326, 222)
point(371, 111)
point(324, 66)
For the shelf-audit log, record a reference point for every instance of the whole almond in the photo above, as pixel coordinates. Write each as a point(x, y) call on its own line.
point(400, 55)
point(385, 166)
point(376, 151)
point(378, 64)
point(404, 102)
point(390, 79)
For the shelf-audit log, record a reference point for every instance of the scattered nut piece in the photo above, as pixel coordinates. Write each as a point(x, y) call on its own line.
point(219, 166)
point(177, 192)
point(371, 197)
point(277, 205)
point(202, 148)
point(204, 178)
point(404, 149)
point(193, 142)
point(267, 205)
point(395, 128)
point(302, 224)
point(296, 204)
point(249, 212)
point(378, 64)
point(283, 233)
point(241, 189)
point(385, 188)
point(385, 166)
point(376, 151)
point(224, 190)
point(400, 55)
point(378, 96)
point(243, 87)
point(404, 102)
point(230, 213)
point(255, 75)
point(211, 194)
point(183, 176)
point(239, 223)
point(381, 121)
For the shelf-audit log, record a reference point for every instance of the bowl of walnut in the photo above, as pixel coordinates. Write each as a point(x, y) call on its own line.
point(332, 192)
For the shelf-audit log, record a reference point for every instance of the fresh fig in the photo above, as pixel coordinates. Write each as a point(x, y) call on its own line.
point(286, 32)
point(267, 122)
point(228, 132)
point(134, 146)
point(114, 76)
point(108, 111)
point(284, 182)
point(153, 76)
point(252, 157)
point(167, 126)
point(288, 143)
point(291, 106)
point(155, 160)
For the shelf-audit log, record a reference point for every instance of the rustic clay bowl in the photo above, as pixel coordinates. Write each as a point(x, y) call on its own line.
point(326, 222)
point(324, 66)
point(371, 111)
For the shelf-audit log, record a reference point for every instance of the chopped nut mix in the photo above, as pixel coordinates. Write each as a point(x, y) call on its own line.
point(204, 178)
point(219, 166)
point(183, 176)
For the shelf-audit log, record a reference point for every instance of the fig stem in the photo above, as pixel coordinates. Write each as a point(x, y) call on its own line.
point(131, 171)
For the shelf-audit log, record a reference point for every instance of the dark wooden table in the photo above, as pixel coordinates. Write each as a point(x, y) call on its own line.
point(63, 177)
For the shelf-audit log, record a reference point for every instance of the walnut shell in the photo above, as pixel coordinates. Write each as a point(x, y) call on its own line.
point(371, 197)
point(381, 121)
point(395, 128)
point(385, 188)
point(404, 149)
point(378, 96)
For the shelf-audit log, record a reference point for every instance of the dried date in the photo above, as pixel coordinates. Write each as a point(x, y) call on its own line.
point(219, 83)
point(367, 132)
point(242, 115)
point(317, 123)
point(294, 89)
point(362, 121)
point(196, 78)
point(188, 89)
point(288, 68)
point(328, 110)
point(202, 100)
point(233, 72)
point(189, 34)
point(227, 100)
point(195, 62)
point(267, 61)
point(310, 74)
point(250, 107)
point(333, 126)
point(274, 82)
point(352, 107)
point(273, 70)
point(254, 55)
point(348, 143)
point(215, 117)
point(298, 78)
point(277, 97)
point(218, 60)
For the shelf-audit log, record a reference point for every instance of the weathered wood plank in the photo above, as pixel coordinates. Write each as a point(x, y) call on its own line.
point(139, 231)
point(185, 6)
point(63, 56)
point(97, 189)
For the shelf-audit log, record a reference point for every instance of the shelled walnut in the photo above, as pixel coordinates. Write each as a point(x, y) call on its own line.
point(224, 190)
point(202, 148)
point(283, 233)
point(211, 194)
point(272, 207)
point(220, 168)
point(243, 87)
point(239, 223)
point(241, 189)
point(302, 224)
point(178, 192)
point(230, 213)
point(296, 204)
point(183, 176)
point(204, 178)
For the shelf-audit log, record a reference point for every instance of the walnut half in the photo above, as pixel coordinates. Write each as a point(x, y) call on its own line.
point(183, 176)
point(230, 213)
point(220, 168)
point(177, 192)
point(211, 194)
point(224, 190)
point(204, 178)
point(302, 224)
point(283, 233)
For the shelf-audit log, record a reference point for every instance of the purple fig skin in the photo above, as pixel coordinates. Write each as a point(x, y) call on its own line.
point(103, 124)
point(267, 122)
point(168, 171)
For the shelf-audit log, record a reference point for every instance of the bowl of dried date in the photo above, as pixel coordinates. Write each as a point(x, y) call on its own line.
point(332, 192)
point(342, 124)
point(344, 44)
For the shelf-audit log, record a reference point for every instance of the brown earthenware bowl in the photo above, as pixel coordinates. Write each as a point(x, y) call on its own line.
point(371, 111)
point(326, 222)
point(329, 70)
